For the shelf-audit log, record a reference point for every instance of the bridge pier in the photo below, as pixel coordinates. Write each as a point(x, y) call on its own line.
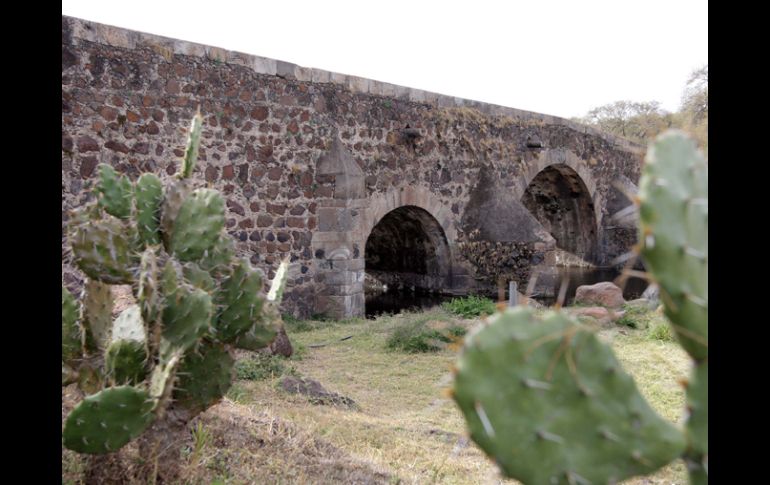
point(338, 243)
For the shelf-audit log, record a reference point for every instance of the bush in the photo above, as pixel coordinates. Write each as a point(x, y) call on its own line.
point(419, 336)
point(635, 317)
point(261, 366)
point(470, 306)
point(660, 331)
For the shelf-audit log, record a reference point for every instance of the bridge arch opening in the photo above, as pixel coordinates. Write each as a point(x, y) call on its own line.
point(561, 202)
point(407, 250)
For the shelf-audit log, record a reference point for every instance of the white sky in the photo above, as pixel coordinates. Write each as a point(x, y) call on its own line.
point(555, 57)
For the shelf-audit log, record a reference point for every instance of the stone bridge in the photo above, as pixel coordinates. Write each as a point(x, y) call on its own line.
point(345, 176)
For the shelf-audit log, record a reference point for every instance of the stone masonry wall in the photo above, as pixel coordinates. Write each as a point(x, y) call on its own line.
point(127, 99)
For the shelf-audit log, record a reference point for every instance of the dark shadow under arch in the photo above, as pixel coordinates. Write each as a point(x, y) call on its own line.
point(407, 249)
point(561, 202)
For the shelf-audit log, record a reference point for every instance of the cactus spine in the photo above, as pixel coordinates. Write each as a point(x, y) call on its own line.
point(195, 302)
point(549, 402)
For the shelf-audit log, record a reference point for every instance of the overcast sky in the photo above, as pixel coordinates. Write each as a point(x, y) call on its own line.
point(555, 57)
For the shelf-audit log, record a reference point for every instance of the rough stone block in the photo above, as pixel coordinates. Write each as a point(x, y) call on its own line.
point(263, 65)
point(343, 277)
point(330, 219)
point(189, 49)
point(117, 37)
point(375, 87)
point(285, 69)
point(388, 89)
point(338, 78)
point(217, 54)
point(303, 73)
point(417, 95)
point(358, 84)
point(402, 92)
point(320, 76)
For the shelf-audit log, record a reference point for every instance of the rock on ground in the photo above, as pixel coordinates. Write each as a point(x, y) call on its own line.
point(313, 389)
point(606, 294)
point(281, 345)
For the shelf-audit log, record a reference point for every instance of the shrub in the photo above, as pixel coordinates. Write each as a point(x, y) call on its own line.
point(261, 366)
point(419, 336)
point(660, 331)
point(470, 306)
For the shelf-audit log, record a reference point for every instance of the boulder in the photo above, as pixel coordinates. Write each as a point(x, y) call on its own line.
point(281, 345)
point(606, 294)
point(315, 392)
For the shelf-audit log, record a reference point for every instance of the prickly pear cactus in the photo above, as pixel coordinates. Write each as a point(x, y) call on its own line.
point(196, 303)
point(549, 402)
point(673, 212)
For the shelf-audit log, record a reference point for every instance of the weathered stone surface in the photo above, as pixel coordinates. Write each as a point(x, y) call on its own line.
point(606, 294)
point(87, 144)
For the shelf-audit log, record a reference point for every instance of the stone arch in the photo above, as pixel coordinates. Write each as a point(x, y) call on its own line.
point(421, 207)
point(407, 249)
point(560, 156)
point(561, 193)
point(381, 204)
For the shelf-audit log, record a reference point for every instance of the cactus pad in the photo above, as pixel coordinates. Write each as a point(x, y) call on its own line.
point(97, 314)
point(129, 325)
point(193, 143)
point(126, 356)
point(125, 361)
point(204, 377)
point(551, 404)
point(186, 318)
point(197, 226)
point(175, 194)
point(71, 344)
point(279, 282)
point(148, 291)
point(239, 302)
point(109, 419)
point(115, 192)
point(103, 249)
point(199, 278)
point(162, 381)
point(697, 425)
point(673, 194)
point(259, 336)
point(218, 258)
point(149, 196)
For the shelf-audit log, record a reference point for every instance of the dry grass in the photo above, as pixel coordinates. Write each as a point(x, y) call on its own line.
point(406, 431)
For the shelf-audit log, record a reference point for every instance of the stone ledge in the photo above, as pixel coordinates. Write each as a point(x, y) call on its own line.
point(89, 31)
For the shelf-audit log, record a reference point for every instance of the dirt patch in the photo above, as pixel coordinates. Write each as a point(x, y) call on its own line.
point(232, 443)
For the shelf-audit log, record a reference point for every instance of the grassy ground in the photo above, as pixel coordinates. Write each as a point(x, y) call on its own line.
point(405, 430)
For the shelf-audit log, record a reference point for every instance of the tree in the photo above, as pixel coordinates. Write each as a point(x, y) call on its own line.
point(695, 106)
point(695, 100)
point(643, 121)
point(638, 121)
